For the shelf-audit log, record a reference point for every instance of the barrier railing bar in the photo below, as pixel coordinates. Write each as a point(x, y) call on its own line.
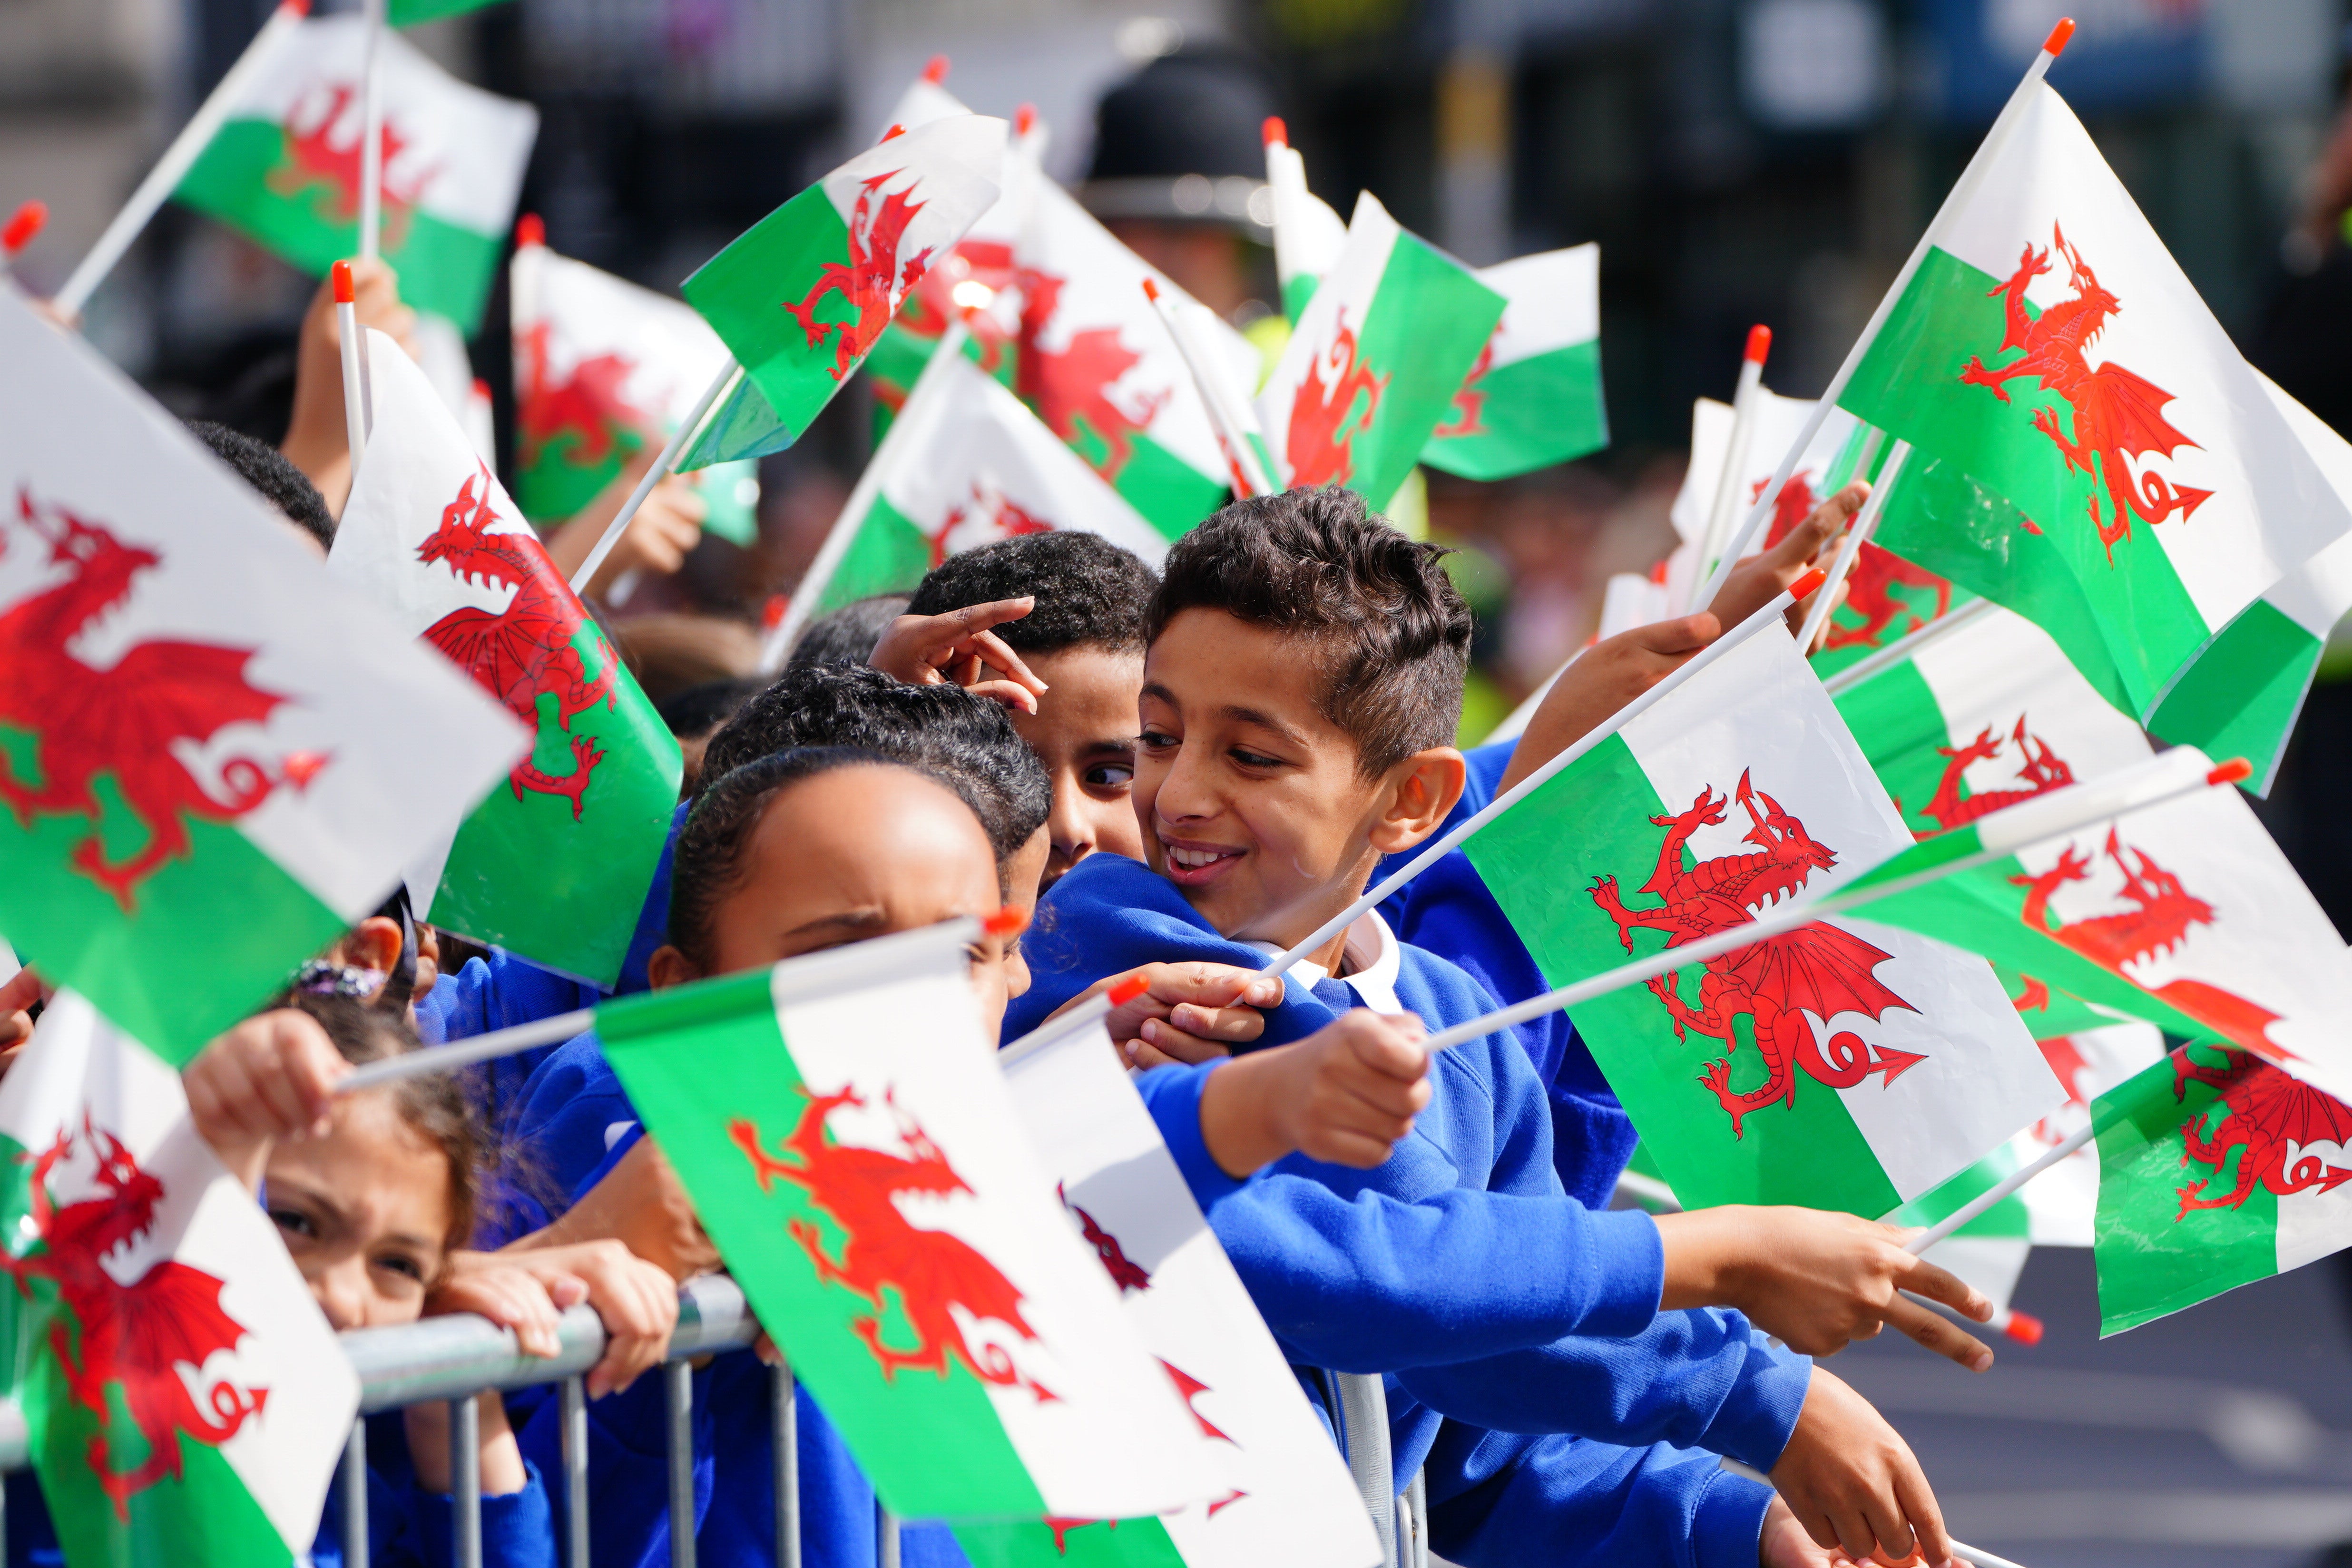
point(886, 1537)
point(465, 1481)
point(1417, 1493)
point(575, 1414)
point(677, 1403)
point(787, 1443)
point(1364, 1419)
point(355, 1499)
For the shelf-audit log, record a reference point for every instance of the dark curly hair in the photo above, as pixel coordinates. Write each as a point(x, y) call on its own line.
point(271, 472)
point(1089, 591)
point(1316, 564)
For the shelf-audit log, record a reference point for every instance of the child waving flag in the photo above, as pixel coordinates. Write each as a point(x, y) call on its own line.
point(285, 169)
point(197, 719)
point(555, 863)
point(192, 1403)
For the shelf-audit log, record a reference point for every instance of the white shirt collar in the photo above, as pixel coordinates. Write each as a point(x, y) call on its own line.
point(1372, 956)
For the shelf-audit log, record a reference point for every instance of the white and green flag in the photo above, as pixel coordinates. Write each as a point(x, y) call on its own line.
point(1533, 398)
point(195, 716)
point(187, 1401)
point(285, 169)
point(1284, 1497)
point(555, 863)
point(1375, 360)
point(1845, 1065)
point(1307, 235)
point(2077, 415)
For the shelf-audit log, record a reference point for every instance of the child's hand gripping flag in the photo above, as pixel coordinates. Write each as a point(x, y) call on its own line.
point(187, 1401)
point(1394, 330)
point(215, 758)
point(285, 169)
point(1285, 1499)
point(555, 863)
point(2089, 448)
point(1534, 394)
point(851, 1147)
point(1842, 1065)
point(802, 297)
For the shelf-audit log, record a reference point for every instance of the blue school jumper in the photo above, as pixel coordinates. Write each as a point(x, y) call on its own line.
point(1448, 911)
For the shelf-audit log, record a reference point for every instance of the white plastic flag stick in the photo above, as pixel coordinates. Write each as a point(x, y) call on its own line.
point(1894, 652)
point(466, 1053)
point(1542, 775)
point(177, 159)
point(358, 421)
point(2056, 814)
point(372, 133)
point(1976, 1554)
point(1817, 619)
point(2015, 1322)
point(1062, 1025)
point(1735, 452)
point(861, 501)
point(26, 221)
point(1963, 192)
point(728, 374)
point(2002, 1188)
point(1249, 479)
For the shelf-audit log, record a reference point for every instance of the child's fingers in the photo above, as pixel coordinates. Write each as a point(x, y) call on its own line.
point(1177, 1045)
point(1227, 1024)
point(1940, 1284)
point(999, 652)
point(1939, 1333)
point(1393, 1048)
point(263, 1097)
point(1010, 694)
point(1919, 1507)
point(1211, 984)
point(950, 626)
point(19, 992)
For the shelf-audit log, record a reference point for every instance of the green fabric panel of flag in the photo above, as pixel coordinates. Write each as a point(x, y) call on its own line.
point(167, 969)
point(1876, 612)
point(698, 1063)
point(408, 13)
point(2009, 1217)
point(2242, 696)
point(246, 177)
point(2155, 1256)
point(1894, 716)
point(1909, 384)
point(745, 290)
point(1172, 494)
point(1544, 409)
point(887, 554)
point(526, 874)
point(1538, 860)
point(1070, 1543)
point(1424, 330)
point(742, 426)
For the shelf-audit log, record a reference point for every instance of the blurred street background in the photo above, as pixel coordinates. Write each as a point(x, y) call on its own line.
point(1738, 161)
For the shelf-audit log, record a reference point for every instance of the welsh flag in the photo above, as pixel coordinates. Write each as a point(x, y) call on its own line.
point(1285, 1496)
point(1099, 368)
point(850, 1145)
point(408, 13)
point(1373, 367)
point(555, 863)
point(1533, 398)
point(285, 169)
point(965, 464)
point(602, 370)
point(2278, 636)
point(1307, 235)
point(2216, 1169)
point(2048, 354)
point(187, 1401)
point(803, 295)
point(1843, 1066)
point(194, 717)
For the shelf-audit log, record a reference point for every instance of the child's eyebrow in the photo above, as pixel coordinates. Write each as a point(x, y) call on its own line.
point(323, 1208)
point(1264, 721)
point(846, 920)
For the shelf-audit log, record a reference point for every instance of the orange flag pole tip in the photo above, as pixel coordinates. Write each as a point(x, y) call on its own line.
point(1806, 586)
point(935, 69)
point(530, 230)
point(344, 293)
point(1152, 291)
point(2231, 772)
point(27, 222)
point(1025, 120)
point(299, 7)
point(1276, 133)
point(2056, 45)
point(1005, 922)
point(2023, 1327)
point(1759, 344)
point(893, 130)
point(1127, 990)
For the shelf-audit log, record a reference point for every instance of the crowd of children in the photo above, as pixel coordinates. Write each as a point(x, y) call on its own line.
point(1174, 775)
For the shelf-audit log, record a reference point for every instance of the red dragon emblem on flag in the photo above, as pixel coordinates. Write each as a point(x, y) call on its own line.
point(932, 1273)
point(1326, 415)
point(1870, 586)
point(128, 721)
point(2039, 770)
point(1821, 969)
point(1070, 388)
point(2163, 915)
point(990, 515)
point(1470, 403)
point(871, 281)
point(142, 1346)
point(528, 648)
point(964, 288)
point(1124, 1272)
point(2118, 416)
point(2267, 1118)
point(316, 161)
point(589, 405)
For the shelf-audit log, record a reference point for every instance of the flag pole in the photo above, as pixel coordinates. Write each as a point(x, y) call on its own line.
point(466, 1053)
point(177, 159)
point(1249, 479)
point(372, 133)
point(1976, 1554)
point(2053, 815)
point(1963, 191)
point(835, 548)
point(1093, 1010)
point(26, 221)
point(359, 420)
point(728, 374)
point(1744, 402)
point(1896, 652)
point(1817, 619)
point(1544, 774)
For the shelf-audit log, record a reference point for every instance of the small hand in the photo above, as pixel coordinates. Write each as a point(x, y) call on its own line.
point(1758, 579)
point(1347, 1094)
point(1851, 1482)
point(636, 1300)
point(959, 647)
point(271, 1076)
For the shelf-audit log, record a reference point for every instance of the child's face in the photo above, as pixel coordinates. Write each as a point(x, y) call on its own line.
point(1083, 732)
point(364, 1211)
point(1248, 797)
point(855, 853)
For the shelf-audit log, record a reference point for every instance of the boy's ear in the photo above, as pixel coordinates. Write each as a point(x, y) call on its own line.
point(669, 967)
point(373, 943)
point(1422, 789)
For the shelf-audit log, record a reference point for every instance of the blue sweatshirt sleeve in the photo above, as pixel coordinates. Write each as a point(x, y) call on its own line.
point(517, 1528)
point(1696, 1379)
point(1502, 1502)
